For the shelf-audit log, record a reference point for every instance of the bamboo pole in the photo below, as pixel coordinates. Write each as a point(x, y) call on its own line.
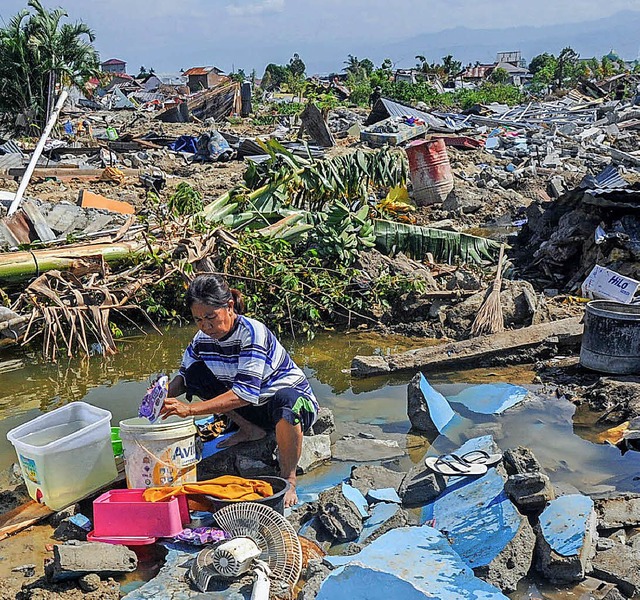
point(37, 152)
point(19, 265)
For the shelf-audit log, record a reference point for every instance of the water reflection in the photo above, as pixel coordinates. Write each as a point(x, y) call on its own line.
point(118, 382)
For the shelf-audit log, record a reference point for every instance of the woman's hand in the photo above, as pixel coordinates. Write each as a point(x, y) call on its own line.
point(173, 406)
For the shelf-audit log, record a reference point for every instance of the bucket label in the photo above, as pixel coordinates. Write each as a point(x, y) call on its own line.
point(184, 456)
point(29, 469)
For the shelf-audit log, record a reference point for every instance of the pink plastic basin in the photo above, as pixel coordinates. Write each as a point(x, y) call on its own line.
point(125, 514)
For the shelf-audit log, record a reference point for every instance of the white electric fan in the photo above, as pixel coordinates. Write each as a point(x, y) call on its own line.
point(262, 541)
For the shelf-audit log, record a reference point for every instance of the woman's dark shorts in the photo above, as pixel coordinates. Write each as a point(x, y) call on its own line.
point(287, 403)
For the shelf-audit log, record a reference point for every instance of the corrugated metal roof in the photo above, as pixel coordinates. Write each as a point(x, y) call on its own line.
point(202, 71)
point(10, 147)
point(10, 161)
point(400, 110)
point(608, 179)
point(114, 61)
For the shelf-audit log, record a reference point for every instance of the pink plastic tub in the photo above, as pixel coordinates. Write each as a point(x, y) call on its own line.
point(121, 514)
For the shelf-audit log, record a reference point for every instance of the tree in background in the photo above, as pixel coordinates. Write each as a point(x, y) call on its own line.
point(543, 68)
point(566, 67)
point(274, 76)
point(38, 51)
point(499, 75)
point(297, 66)
point(452, 67)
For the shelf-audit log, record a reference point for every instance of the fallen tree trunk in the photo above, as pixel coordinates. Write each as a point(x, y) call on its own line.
point(77, 259)
point(483, 351)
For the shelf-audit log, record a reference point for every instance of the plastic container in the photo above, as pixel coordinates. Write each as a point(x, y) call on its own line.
point(430, 170)
point(611, 339)
point(116, 442)
point(65, 454)
point(123, 514)
point(159, 454)
point(275, 501)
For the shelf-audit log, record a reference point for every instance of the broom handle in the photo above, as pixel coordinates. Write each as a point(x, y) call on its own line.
point(498, 280)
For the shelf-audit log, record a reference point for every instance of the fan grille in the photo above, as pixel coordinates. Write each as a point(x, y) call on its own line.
point(273, 534)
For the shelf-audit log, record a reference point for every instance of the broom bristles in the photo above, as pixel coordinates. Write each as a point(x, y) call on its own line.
point(489, 318)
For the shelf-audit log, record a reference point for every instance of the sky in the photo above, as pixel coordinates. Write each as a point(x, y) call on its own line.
point(231, 34)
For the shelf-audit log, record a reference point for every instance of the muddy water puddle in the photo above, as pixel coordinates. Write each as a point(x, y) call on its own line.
point(566, 449)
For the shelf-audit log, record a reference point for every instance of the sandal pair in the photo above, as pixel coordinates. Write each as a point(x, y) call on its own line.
point(476, 462)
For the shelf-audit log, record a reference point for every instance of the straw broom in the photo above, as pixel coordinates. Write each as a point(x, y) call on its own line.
point(489, 318)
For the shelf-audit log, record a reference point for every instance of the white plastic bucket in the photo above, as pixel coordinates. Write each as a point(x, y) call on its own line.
point(65, 454)
point(159, 454)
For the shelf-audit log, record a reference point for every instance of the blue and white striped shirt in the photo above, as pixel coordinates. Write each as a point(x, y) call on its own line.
point(249, 360)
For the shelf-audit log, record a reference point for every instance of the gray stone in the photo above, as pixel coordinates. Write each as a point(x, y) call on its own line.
point(75, 559)
point(566, 537)
point(417, 409)
point(90, 582)
point(463, 200)
point(248, 467)
point(325, 423)
point(619, 397)
point(618, 510)
point(530, 492)
point(339, 516)
point(372, 477)
point(313, 576)
point(316, 449)
point(619, 565)
point(520, 460)
point(65, 217)
point(420, 486)
point(364, 450)
point(68, 530)
point(464, 280)
point(314, 530)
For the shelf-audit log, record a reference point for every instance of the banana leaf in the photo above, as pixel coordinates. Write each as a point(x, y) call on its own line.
point(445, 246)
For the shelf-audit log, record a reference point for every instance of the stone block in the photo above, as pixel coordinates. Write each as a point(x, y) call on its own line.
point(412, 563)
point(316, 449)
point(75, 559)
point(520, 460)
point(339, 516)
point(566, 537)
point(368, 477)
point(366, 450)
point(485, 529)
point(618, 510)
point(325, 423)
point(384, 517)
point(420, 486)
point(619, 565)
point(530, 492)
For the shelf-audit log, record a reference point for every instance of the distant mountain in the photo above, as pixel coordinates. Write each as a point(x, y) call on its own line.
point(322, 54)
point(589, 38)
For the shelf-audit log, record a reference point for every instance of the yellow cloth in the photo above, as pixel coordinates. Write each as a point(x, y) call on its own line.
point(227, 487)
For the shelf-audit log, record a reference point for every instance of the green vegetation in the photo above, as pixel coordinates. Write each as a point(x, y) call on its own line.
point(38, 51)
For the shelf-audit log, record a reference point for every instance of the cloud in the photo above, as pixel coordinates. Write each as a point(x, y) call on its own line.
point(262, 7)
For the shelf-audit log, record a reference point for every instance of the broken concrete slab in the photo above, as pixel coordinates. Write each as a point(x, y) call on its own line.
point(428, 410)
point(521, 460)
point(566, 537)
point(356, 496)
point(75, 559)
point(483, 351)
point(383, 495)
point(530, 492)
point(490, 398)
point(384, 517)
point(366, 450)
point(339, 515)
point(617, 510)
point(409, 563)
point(619, 565)
point(368, 477)
point(420, 486)
point(485, 529)
point(316, 449)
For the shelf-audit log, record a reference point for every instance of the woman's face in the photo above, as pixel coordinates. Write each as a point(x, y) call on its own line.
point(214, 322)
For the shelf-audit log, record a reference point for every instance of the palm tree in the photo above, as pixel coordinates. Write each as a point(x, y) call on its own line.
point(37, 51)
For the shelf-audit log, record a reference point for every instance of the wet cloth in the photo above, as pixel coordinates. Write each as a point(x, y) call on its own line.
point(249, 360)
point(287, 403)
point(227, 487)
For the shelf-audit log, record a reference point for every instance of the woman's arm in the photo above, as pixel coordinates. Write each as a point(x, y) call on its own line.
point(223, 403)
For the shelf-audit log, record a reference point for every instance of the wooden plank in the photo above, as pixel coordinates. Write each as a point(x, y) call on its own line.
point(62, 173)
point(481, 350)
